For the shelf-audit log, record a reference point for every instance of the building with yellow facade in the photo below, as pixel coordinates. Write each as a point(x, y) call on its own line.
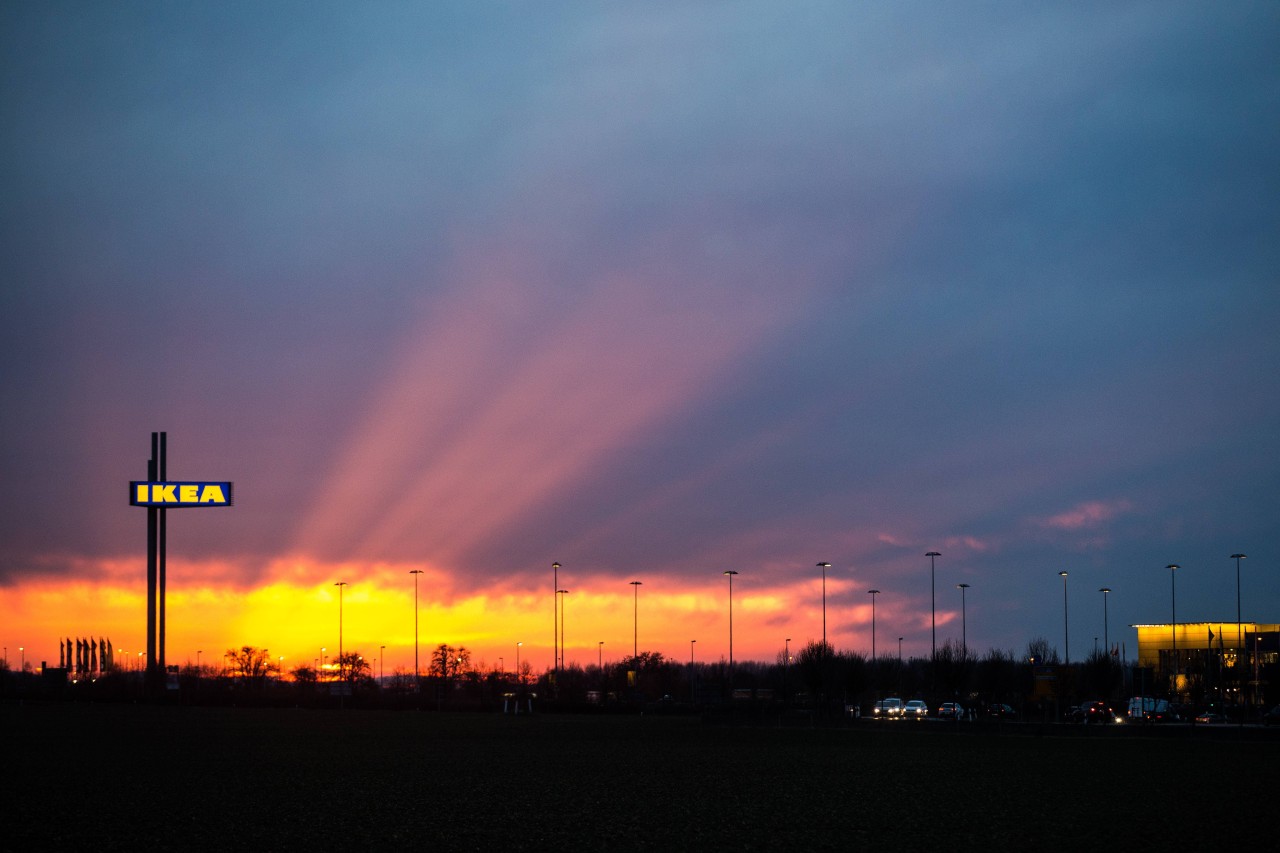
point(1210, 661)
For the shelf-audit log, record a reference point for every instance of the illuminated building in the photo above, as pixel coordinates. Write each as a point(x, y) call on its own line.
point(1216, 661)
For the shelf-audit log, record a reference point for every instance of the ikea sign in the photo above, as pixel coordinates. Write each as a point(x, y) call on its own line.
point(172, 495)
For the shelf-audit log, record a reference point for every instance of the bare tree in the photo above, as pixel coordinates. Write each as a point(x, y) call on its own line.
point(250, 664)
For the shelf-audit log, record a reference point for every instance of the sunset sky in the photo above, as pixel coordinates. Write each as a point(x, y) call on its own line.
point(655, 290)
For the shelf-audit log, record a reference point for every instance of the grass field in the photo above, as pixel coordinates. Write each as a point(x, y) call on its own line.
point(130, 777)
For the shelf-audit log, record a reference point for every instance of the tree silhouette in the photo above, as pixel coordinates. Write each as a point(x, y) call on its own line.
point(448, 663)
point(353, 668)
point(250, 665)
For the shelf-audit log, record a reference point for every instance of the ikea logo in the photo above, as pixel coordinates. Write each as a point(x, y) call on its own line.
point(165, 495)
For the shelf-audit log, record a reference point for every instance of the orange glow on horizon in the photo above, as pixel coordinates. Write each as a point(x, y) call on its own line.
point(293, 615)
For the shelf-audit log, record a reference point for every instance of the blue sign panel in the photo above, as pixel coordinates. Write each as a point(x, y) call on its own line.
point(173, 495)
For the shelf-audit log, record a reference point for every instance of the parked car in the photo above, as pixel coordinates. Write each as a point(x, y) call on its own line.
point(1272, 717)
point(1098, 712)
point(916, 709)
point(887, 709)
point(951, 711)
point(1210, 718)
point(1000, 710)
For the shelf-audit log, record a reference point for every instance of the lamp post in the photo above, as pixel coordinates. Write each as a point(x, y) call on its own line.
point(693, 689)
point(635, 621)
point(1106, 634)
point(198, 653)
point(729, 574)
point(873, 593)
point(322, 657)
point(382, 670)
point(563, 593)
point(899, 651)
point(964, 622)
point(824, 567)
point(600, 656)
point(519, 678)
point(416, 670)
point(340, 585)
point(281, 678)
point(555, 628)
point(1239, 628)
point(1173, 625)
point(1066, 635)
point(933, 608)
point(22, 667)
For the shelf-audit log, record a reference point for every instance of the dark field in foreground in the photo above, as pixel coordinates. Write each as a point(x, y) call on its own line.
point(122, 777)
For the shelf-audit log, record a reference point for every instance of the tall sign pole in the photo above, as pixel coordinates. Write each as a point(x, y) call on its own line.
point(153, 552)
point(158, 494)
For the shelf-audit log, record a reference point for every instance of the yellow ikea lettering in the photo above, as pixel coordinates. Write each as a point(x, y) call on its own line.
point(163, 494)
point(142, 493)
point(211, 494)
point(187, 493)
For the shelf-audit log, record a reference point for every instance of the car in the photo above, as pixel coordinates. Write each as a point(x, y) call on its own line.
point(1210, 718)
point(951, 711)
point(1098, 712)
point(887, 709)
point(916, 709)
point(1000, 710)
point(1272, 717)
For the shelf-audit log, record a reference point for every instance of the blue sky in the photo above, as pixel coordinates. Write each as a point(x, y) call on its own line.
point(664, 289)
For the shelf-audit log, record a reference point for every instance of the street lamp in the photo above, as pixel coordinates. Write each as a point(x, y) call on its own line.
point(555, 626)
point(416, 671)
point(933, 608)
point(563, 593)
point(340, 585)
point(964, 622)
point(1173, 626)
point(322, 657)
point(1106, 634)
point(600, 656)
point(198, 653)
point(518, 676)
point(382, 672)
point(22, 667)
point(1066, 635)
point(693, 691)
point(873, 593)
point(899, 651)
point(635, 621)
point(1239, 634)
point(730, 575)
point(1239, 628)
point(824, 567)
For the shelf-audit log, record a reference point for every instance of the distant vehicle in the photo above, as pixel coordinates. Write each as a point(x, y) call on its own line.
point(1000, 710)
point(887, 709)
point(916, 709)
point(1272, 717)
point(1098, 712)
point(1210, 718)
point(951, 711)
point(1144, 709)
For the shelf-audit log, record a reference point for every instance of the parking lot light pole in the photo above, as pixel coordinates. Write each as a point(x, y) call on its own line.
point(1066, 631)
point(1106, 635)
point(933, 609)
point(1173, 625)
point(730, 575)
point(873, 593)
point(964, 621)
